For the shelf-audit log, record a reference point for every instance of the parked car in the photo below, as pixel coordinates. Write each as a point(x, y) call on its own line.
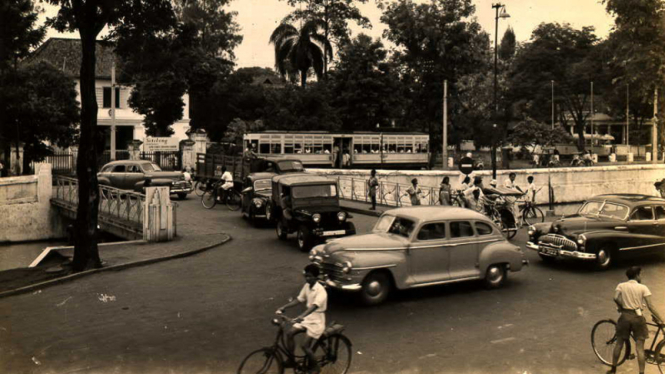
point(605, 229)
point(256, 193)
point(309, 206)
point(415, 247)
point(133, 174)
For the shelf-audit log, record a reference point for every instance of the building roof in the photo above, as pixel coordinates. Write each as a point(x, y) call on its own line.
point(65, 54)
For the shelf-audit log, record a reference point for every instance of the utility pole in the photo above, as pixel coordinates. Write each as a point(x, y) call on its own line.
point(592, 132)
point(628, 116)
point(444, 152)
point(113, 111)
point(503, 14)
point(552, 105)
point(654, 129)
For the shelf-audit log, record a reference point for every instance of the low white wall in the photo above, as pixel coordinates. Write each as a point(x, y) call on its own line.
point(25, 207)
point(570, 185)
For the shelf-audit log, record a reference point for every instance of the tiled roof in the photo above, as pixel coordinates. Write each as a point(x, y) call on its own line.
point(65, 54)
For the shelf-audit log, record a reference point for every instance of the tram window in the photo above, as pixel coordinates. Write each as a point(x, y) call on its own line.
point(297, 147)
point(288, 148)
point(327, 148)
point(255, 145)
point(392, 148)
point(408, 148)
point(376, 148)
point(264, 148)
point(357, 148)
point(367, 148)
point(276, 149)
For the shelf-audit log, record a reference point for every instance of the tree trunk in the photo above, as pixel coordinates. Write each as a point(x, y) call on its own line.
point(86, 252)
point(303, 78)
point(581, 142)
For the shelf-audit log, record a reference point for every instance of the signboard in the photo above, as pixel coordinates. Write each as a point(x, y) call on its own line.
point(161, 144)
point(466, 165)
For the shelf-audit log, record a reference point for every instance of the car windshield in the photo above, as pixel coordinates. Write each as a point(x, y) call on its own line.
point(395, 225)
point(289, 166)
point(324, 190)
point(151, 167)
point(607, 210)
point(262, 184)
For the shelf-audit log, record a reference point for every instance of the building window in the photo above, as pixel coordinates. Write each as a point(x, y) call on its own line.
point(107, 97)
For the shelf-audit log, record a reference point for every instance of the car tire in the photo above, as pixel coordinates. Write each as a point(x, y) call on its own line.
point(282, 234)
point(182, 195)
point(604, 259)
point(495, 276)
point(350, 228)
point(375, 288)
point(305, 238)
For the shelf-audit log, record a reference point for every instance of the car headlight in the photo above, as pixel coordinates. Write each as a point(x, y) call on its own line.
point(347, 267)
point(316, 217)
point(531, 230)
point(341, 216)
point(556, 228)
point(581, 240)
point(257, 202)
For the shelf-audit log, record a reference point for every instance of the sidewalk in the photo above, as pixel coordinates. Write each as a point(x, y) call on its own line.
point(55, 267)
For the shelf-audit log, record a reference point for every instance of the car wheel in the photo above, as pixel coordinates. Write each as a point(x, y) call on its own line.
point(182, 195)
point(281, 231)
point(603, 259)
point(495, 276)
point(305, 238)
point(350, 228)
point(375, 288)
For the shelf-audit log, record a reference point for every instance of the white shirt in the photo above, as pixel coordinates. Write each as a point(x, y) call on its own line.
point(632, 294)
point(315, 322)
point(227, 177)
point(509, 184)
point(530, 189)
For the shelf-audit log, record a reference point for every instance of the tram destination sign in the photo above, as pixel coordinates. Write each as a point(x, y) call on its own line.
point(163, 144)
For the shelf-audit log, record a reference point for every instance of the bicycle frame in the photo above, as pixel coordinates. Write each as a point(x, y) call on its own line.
point(654, 342)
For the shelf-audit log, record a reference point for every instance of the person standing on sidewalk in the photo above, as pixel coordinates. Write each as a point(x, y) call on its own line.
point(414, 192)
point(445, 192)
point(631, 297)
point(373, 185)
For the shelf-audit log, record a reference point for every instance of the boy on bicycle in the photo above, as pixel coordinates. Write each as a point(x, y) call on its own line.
point(312, 320)
point(631, 297)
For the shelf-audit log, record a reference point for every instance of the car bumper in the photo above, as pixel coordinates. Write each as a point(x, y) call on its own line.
point(342, 286)
point(550, 251)
point(181, 188)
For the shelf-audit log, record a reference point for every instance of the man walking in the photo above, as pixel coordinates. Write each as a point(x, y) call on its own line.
point(631, 297)
point(373, 184)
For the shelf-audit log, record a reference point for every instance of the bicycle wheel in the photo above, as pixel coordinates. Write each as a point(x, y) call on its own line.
point(533, 215)
point(334, 354)
point(508, 224)
point(233, 200)
point(660, 356)
point(200, 187)
point(603, 339)
point(262, 361)
point(209, 198)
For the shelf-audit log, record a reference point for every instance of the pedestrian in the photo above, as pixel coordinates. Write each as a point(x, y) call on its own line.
point(414, 192)
point(445, 192)
point(510, 183)
point(346, 158)
point(336, 156)
point(372, 184)
point(660, 188)
point(531, 190)
point(476, 201)
point(312, 320)
point(3, 170)
point(511, 200)
point(631, 297)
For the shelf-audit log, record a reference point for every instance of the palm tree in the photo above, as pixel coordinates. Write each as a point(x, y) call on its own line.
point(300, 50)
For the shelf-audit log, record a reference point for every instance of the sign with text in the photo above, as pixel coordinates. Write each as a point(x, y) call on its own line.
point(161, 144)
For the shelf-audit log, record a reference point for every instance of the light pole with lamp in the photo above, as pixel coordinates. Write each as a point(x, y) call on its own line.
point(503, 14)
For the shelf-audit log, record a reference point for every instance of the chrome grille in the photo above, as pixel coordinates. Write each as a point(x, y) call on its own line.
point(333, 271)
point(559, 241)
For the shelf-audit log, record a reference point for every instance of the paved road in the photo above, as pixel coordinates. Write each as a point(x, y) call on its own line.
point(202, 314)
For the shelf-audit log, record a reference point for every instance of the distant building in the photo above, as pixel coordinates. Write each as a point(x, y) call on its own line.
point(65, 54)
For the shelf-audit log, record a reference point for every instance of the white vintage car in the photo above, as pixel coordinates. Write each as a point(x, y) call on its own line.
point(417, 247)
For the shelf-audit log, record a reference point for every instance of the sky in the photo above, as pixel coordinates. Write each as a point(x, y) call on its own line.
point(258, 18)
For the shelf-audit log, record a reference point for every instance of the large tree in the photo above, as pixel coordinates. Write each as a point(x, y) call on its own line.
point(567, 56)
point(438, 40)
point(300, 50)
point(366, 90)
point(335, 14)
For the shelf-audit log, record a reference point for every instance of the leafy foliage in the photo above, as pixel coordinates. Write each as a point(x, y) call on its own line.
point(19, 33)
point(529, 133)
point(508, 45)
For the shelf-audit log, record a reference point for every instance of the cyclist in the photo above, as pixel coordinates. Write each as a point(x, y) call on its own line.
point(227, 182)
point(631, 297)
point(312, 320)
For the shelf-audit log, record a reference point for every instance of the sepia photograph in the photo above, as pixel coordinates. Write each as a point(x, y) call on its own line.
point(332, 186)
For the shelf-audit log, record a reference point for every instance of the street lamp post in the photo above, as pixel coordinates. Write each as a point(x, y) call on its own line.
point(503, 14)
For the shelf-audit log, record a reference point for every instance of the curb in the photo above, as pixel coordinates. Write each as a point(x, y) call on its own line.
point(128, 265)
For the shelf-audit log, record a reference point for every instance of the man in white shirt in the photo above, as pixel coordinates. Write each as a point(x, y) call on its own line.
point(313, 319)
point(631, 297)
point(227, 177)
point(531, 190)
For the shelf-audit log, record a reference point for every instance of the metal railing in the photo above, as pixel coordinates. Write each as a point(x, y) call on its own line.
point(388, 193)
point(113, 202)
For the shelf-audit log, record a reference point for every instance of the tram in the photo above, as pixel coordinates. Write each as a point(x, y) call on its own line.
point(403, 150)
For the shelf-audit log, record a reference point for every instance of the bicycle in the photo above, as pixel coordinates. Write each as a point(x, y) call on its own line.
point(215, 193)
point(603, 339)
point(332, 351)
point(200, 186)
point(502, 216)
point(529, 213)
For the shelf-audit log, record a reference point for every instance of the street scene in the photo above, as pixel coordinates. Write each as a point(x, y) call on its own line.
point(332, 186)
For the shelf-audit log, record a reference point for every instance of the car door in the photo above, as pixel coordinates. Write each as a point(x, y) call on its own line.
point(429, 254)
point(642, 226)
point(133, 176)
point(659, 213)
point(463, 250)
point(117, 175)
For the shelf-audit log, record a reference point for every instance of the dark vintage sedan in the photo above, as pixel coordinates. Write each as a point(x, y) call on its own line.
point(134, 174)
point(257, 188)
point(605, 229)
point(417, 247)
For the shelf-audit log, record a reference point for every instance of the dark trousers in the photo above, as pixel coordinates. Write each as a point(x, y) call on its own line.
point(373, 199)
